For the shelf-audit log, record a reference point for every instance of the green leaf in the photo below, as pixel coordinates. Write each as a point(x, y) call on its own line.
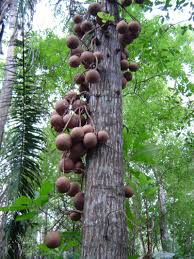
point(106, 17)
point(41, 200)
point(129, 213)
point(43, 248)
point(23, 200)
point(71, 234)
point(46, 188)
point(13, 208)
point(26, 216)
point(143, 179)
point(70, 244)
point(21, 203)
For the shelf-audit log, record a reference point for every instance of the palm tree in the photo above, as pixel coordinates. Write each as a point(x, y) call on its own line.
point(24, 139)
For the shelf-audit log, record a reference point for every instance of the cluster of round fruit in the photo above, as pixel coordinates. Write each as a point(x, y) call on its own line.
point(63, 185)
point(78, 56)
point(127, 33)
point(76, 144)
point(72, 114)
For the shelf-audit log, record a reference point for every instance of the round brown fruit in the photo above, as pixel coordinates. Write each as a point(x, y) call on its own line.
point(87, 128)
point(133, 67)
point(70, 95)
point(128, 76)
point(77, 134)
point(74, 189)
point(90, 140)
point(72, 42)
point(63, 141)
point(61, 106)
point(79, 79)
point(78, 51)
point(128, 192)
point(72, 120)
point(77, 18)
point(124, 64)
point(86, 26)
point(92, 76)
point(98, 55)
point(66, 164)
point(126, 38)
point(122, 27)
point(74, 61)
point(62, 184)
point(87, 57)
point(78, 150)
point(134, 27)
point(78, 104)
point(75, 216)
point(124, 82)
point(57, 122)
point(52, 239)
point(54, 113)
point(77, 29)
point(79, 201)
point(79, 167)
point(94, 8)
point(102, 136)
point(126, 3)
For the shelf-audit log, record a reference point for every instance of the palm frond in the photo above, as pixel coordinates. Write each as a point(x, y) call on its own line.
point(24, 143)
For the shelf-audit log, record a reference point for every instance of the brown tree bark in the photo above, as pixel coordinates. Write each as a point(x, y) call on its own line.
point(104, 226)
point(6, 91)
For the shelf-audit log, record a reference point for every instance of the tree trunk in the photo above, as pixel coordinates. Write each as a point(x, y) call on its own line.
point(2, 236)
point(6, 91)
point(104, 226)
point(4, 7)
point(149, 232)
point(163, 216)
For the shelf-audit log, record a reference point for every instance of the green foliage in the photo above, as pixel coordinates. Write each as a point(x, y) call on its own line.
point(24, 142)
point(106, 17)
point(157, 134)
